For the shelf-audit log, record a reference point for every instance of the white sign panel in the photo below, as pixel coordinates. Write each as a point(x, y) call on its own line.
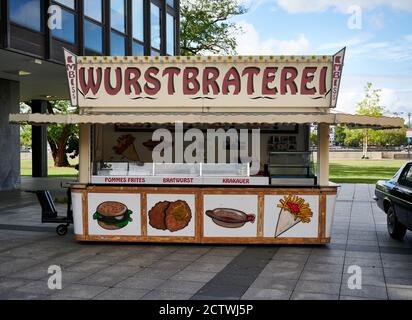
point(171, 215)
point(175, 180)
point(230, 215)
point(71, 66)
point(214, 82)
point(291, 216)
point(114, 214)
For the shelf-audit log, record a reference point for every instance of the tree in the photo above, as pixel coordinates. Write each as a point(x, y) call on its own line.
point(205, 28)
point(353, 137)
point(340, 134)
point(60, 137)
point(25, 130)
point(369, 106)
point(313, 138)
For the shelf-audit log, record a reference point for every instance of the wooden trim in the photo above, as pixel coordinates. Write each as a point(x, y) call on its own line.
point(322, 216)
point(254, 240)
point(261, 215)
point(85, 209)
point(143, 215)
point(199, 223)
point(136, 239)
point(199, 193)
point(227, 240)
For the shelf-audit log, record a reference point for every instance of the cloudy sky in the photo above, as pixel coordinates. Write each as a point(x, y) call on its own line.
point(376, 33)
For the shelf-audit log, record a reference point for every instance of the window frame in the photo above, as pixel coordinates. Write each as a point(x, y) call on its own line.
point(101, 24)
point(42, 21)
point(403, 181)
point(75, 13)
point(159, 4)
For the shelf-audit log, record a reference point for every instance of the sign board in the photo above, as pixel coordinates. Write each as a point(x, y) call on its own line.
point(409, 133)
point(205, 83)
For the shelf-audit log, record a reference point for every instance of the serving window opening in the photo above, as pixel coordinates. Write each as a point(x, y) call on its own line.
point(281, 155)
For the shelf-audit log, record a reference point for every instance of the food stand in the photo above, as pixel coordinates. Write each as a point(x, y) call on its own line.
point(274, 196)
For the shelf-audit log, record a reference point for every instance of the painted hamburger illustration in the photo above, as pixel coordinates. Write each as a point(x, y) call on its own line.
point(112, 215)
point(293, 209)
point(230, 218)
point(172, 216)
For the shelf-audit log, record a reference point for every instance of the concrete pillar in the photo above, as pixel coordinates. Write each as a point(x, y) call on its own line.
point(39, 142)
point(9, 135)
point(323, 154)
point(84, 153)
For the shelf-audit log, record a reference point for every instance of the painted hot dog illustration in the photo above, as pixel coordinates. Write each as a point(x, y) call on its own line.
point(230, 218)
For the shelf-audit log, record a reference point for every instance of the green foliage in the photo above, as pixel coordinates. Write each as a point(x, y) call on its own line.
point(25, 135)
point(340, 134)
point(353, 137)
point(205, 28)
point(313, 138)
point(369, 106)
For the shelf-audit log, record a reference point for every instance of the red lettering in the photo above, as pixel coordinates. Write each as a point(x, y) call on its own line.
point(232, 78)
point(210, 75)
point(171, 72)
point(92, 84)
point(191, 85)
point(308, 75)
point(322, 81)
point(132, 76)
point(152, 86)
point(288, 77)
point(107, 81)
point(250, 72)
point(268, 77)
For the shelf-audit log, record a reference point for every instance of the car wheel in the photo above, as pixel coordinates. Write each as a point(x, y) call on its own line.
point(395, 228)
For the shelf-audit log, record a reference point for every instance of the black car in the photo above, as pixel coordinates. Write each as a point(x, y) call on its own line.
point(394, 196)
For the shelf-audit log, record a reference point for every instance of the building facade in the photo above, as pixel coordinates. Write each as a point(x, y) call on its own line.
point(33, 34)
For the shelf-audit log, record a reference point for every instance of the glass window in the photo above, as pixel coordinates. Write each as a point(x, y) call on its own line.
point(117, 15)
point(138, 19)
point(26, 13)
point(170, 39)
point(67, 32)
point(406, 179)
point(155, 25)
point(171, 3)
point(67, 3)
point(118, 44)
point(155, 53)
point(93, 37)
point(93, 9)
point(138, 49)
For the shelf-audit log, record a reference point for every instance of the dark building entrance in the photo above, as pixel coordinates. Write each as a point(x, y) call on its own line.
point(31, 56)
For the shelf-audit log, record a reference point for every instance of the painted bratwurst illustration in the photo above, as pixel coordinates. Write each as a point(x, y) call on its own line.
point(112, 215)
point(172, 216)
point(230, 218)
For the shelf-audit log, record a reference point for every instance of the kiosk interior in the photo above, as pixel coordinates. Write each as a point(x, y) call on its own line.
point(204, 149)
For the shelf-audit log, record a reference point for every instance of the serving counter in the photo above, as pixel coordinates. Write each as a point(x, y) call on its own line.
point(203, 214)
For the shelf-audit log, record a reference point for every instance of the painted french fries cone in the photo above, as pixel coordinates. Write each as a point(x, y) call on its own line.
point(131, 153)
point(125, 147)
point(293, 210)
point(286, 221)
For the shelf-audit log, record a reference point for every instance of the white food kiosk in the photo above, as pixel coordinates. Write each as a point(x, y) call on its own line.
point(268, 190)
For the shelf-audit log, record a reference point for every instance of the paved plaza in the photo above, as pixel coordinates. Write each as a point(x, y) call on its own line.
point(154, 271)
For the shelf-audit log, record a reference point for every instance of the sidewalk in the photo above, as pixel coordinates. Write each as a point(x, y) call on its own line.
point(153, 271)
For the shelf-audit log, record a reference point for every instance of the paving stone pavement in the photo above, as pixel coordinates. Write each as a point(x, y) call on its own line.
point(182, 272)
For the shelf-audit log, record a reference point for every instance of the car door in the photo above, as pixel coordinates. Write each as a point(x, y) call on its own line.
point(404, 193)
